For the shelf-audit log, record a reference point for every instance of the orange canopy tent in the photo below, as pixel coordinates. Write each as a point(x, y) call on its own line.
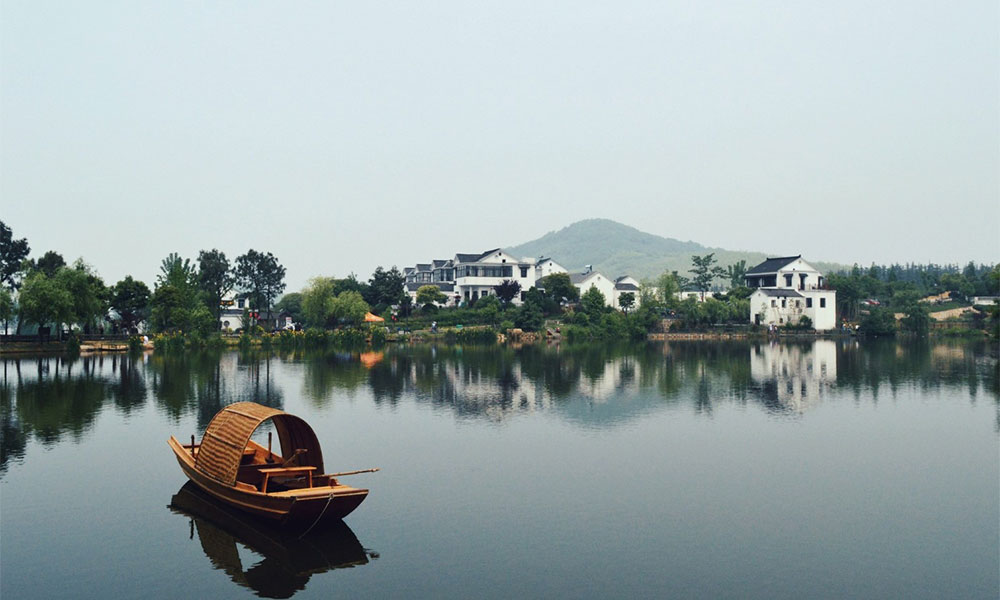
point(370, 318)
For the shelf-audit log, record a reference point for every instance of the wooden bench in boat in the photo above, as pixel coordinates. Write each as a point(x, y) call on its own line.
point(286, 471)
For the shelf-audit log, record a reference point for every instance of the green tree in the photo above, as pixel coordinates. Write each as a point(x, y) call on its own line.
point(261, 277)
point(626, 301)
point(177, 272)
point(350, 307)
point(43, 300)
point(12, 254)
point(715, 311)
point(691, 312)
point(705, 272)
point(350, 284)
point(488, 308)
point(318, 300)
point(849, 294)
point(593, 301)
point(49, 263)
point(6, 307)
point(430, 295)
point(90, 295)
point(507, 290)
point(559, 287)
point(992, 279)
point(130, 299)
point(529, 317)
point(737, 273)
point(667, 288)
point(215, 279)
point(878, 321)
point(175, 304)
point(386, 287)
point(917, 319)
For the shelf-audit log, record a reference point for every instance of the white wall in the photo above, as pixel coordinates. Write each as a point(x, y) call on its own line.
point(602, 283)
point(822, 313)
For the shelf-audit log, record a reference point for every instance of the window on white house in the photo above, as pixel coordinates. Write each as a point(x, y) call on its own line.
point(809, 302)
point(784, 303)
point(524, 272)
point(822, 302)
point(773, 303)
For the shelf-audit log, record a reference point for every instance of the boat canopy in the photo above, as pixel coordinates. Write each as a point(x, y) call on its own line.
point(227, 435)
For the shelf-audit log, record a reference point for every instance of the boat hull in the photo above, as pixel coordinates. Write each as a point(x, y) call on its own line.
point(301, 509)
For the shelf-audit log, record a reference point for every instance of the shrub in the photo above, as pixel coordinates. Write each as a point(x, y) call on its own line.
point(377, 335)
point(878, 321)
point(471, 335)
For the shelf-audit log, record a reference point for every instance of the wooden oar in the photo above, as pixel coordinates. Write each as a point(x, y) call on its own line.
point(354, 472)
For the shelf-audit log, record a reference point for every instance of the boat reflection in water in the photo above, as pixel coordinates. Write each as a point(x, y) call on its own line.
point(288, 561)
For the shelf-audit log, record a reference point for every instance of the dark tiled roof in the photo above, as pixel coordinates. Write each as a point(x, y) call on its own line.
point(581, 277)
point(424, 267)
point(772, 265)
point(631, 287)
point(440, 263)
point(468, 258)
point(780, 292)
point(408, 270)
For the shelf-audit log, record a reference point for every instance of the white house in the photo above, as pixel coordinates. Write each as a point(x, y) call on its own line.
point(593, 279)
point(626, 285)
point(477, 274)
point(787, 289)
point(546, 266)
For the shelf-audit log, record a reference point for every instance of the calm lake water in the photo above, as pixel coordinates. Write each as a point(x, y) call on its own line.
point(826, 469)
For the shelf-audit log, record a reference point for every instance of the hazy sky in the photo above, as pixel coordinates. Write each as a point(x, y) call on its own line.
point(341, 136)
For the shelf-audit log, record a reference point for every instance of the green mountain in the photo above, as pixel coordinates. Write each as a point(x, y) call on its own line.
point(615, 249)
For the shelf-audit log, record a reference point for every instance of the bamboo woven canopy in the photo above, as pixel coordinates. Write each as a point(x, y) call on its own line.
point(227, 435)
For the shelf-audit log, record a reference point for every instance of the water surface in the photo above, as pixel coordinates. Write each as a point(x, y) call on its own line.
point(825, 469)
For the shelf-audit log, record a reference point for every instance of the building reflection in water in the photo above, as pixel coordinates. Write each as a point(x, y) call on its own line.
point(794, 376)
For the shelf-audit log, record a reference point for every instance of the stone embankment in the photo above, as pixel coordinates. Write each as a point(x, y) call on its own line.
point(661, 337)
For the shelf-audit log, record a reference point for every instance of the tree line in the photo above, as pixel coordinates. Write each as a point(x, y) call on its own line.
point(186, 297)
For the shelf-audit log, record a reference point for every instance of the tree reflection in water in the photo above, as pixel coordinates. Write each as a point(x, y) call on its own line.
point(596, 385)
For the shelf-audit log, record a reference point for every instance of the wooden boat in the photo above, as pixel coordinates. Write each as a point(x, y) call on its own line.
point(288, 488)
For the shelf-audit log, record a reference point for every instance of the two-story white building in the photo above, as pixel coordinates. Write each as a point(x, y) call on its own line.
point(787, 289)
point(477, 274)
